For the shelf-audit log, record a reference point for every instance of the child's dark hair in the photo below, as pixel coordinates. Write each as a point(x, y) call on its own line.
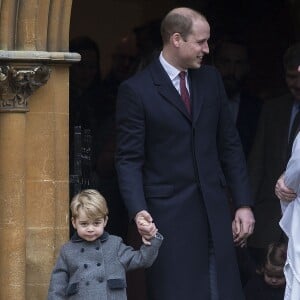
point(275, 256)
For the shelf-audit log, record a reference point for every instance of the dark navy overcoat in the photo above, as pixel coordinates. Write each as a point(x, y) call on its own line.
point(180, 169)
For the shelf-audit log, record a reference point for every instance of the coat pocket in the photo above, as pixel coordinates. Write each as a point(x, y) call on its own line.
point(72, 289)
point(116, 283)
point(158, 191)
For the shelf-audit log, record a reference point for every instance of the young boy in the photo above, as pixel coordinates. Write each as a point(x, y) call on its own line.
point(93, 264)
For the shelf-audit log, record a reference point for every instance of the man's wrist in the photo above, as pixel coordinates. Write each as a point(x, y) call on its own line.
point(244, 206)
point(137, 215)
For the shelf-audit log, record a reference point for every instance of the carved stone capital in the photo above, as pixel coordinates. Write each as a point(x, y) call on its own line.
point(18, 82)
point(23, 72)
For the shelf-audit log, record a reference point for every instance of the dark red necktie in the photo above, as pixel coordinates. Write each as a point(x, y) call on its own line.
point(184, 93)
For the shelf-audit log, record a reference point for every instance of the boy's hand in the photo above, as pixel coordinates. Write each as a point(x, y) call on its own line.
point(146, 239)
point(145, 226)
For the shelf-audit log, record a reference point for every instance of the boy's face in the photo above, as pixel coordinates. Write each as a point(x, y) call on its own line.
point(274, 277)
point(88, 229)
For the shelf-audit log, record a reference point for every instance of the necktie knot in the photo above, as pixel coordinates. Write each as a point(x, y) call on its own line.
point(182, 75)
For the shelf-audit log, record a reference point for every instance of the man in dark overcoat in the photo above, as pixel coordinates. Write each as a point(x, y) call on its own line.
point(177, 157)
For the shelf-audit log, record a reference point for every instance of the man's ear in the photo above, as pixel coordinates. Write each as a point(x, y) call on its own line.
point(176, 39)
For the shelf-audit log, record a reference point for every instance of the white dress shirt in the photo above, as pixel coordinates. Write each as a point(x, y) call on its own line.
point(173, 74)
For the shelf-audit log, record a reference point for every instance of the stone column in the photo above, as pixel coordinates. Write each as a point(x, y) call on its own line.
point(17, 82)
point(12, 206)
point(34, 196)
point(33, 168)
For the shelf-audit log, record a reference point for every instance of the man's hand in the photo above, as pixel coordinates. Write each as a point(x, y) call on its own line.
point(283, 192)
point(242, 225)
point(145, 226)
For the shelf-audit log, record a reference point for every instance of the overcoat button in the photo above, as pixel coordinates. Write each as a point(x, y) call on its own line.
point(97, 248)
point(82, 250)
point(98, 264)
point(85, 266)
point(87, 283)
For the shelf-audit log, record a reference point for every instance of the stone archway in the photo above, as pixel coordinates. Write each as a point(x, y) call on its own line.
point(34, 184)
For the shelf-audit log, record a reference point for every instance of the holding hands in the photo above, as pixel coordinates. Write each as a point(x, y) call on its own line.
point(145, 226)
point(242, 225)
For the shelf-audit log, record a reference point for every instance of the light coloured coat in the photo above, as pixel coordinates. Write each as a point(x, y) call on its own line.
point(290, 223)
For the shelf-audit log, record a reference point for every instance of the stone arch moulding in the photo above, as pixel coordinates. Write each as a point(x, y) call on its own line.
point(34, 36)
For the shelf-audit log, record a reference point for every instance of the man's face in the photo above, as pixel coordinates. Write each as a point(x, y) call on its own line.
point(194, 46)
point(232, 62)
point(292, 78)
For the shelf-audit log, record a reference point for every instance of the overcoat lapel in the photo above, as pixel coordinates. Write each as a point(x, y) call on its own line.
point(197, 89)
point(165, 87)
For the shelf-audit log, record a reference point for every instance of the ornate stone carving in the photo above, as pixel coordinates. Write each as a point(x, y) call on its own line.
point(18, 82)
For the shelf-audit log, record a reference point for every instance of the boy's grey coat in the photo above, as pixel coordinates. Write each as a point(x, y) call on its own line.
point(97, 270)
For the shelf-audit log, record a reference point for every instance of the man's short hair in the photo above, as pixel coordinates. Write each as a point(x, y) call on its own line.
point(179, 21)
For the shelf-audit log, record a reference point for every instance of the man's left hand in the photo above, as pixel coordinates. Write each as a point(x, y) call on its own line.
point(242, 225)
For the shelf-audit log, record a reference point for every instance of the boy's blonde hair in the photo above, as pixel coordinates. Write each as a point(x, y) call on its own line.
point(91, 202)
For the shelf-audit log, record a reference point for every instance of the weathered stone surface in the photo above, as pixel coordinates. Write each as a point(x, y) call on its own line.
point(34, 190)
